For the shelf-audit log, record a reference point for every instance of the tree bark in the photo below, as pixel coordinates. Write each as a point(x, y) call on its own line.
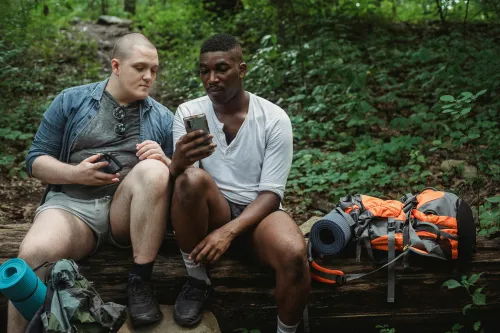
point(440, 9)
point(244, 293)
point(104, 7)
point(129, 6)
point(466, 14)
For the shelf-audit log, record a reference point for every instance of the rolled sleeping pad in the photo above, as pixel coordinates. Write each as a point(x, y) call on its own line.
point(331, 234)
point(22, 287)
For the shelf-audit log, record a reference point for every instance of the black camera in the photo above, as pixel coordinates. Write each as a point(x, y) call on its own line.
point(114, 165)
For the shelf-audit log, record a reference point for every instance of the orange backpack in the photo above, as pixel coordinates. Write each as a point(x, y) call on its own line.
point(432, 224)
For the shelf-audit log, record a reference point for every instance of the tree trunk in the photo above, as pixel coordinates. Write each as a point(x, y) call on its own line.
point(281, 9)
point(104, 7)
point(244, 293)
point(129, 6)
point(440, 9)
point(466, 14)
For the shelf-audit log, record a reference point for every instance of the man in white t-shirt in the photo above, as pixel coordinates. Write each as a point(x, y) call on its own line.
point(230, 184)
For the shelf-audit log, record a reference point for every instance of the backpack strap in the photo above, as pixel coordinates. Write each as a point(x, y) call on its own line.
point(333, 276)
point(391, 254)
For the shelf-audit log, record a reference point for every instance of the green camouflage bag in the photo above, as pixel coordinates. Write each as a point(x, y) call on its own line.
point(72, 305)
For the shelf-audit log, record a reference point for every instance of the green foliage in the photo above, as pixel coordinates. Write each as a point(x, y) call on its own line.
point(470, 284)
point(35, 48)
point(456, 328)
point(489, 217)
point(475, 292)
point(385, 329)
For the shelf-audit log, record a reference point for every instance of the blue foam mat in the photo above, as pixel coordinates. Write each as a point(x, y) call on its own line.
point(20, 285)
point(335, 227)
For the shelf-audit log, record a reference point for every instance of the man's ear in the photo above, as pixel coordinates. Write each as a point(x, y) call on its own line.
point(243, 69)
point(115, 66)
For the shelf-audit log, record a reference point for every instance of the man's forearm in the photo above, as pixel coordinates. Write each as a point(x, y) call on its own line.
point(52, 171)
point(260, 208)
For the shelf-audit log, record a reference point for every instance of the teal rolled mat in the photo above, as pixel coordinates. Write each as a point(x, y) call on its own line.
point(22, 287)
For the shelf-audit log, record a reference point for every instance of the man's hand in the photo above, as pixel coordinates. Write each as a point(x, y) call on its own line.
point(151, 150)
point(190, 149)
point(213, 246)
point(87, 173)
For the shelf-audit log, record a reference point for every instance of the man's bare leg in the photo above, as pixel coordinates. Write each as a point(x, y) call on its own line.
point(55, 234)
point(139, 209)
point(197, 207)
point(138, 215)
point(281, 245)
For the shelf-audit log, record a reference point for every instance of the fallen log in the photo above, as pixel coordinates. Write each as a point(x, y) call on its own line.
point(244, 293)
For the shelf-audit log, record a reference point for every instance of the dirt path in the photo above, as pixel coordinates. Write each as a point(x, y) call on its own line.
point(106, 36)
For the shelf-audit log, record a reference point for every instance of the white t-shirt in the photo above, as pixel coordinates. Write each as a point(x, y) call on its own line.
point(259, 157)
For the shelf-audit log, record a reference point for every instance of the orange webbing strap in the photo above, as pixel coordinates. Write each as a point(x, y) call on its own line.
point(333, 276)
point(325, 275)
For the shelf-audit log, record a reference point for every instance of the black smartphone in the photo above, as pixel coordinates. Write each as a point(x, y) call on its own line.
point(114, 165)
point(197, 122)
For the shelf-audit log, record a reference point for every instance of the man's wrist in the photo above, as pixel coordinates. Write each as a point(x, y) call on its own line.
point(173, 170)
point(71, 175)
point(233, 230)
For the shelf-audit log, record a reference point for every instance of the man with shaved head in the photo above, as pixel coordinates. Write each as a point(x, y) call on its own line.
point(230, 184)
point(88, 202)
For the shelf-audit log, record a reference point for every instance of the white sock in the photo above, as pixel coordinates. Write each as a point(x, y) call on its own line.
point(282, 328)
point(196, 270)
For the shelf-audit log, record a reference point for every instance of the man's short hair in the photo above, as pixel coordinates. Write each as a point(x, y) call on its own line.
point(124, 44)
point(219, 42)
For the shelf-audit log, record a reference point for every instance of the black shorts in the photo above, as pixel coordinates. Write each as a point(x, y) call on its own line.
point(236, 209)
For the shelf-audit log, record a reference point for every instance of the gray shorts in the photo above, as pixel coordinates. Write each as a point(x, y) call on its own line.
point(94, 213)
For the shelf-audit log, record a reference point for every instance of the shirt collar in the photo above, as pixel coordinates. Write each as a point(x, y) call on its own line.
point(99, 90)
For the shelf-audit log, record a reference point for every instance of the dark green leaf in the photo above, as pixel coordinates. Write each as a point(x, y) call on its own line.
point(465, 111)
point(495, 199)
point(478, 297)
point(451, 284)
point(447, 98)
point(481, 92)
point(477, 325)
point(474, 277)
point(465, 308)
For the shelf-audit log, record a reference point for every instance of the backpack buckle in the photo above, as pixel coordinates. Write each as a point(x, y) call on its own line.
point(340, 280)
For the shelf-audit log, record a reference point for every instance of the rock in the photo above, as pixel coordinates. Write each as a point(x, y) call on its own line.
point(113, 20)
point(208, 324)
point(75, 20)
point(322, 205)
point(448, 165)
point(306, 226)
point(467, 171)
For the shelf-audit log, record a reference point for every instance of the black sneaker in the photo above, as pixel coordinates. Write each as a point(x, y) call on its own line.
point(188, 308)
point(142, 304)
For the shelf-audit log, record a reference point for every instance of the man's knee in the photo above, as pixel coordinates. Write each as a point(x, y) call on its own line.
point(292, 260)
point(191, 184)
point(36, 253)
point(151, 174)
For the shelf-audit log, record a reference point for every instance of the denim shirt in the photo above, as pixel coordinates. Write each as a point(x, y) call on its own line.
point(74, 108)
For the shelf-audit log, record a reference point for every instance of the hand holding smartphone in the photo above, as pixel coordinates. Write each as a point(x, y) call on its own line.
point(197, 122)
point(114, 165)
